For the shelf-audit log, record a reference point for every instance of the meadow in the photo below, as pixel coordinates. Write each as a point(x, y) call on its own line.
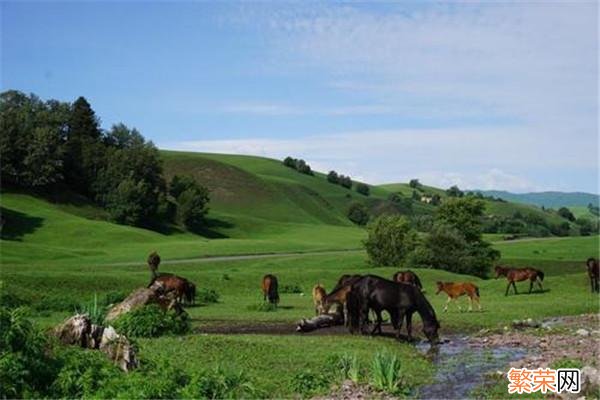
point(58, 255)
point(55, 291)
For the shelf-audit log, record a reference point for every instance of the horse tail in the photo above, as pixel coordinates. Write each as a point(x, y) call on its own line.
point(541, 275)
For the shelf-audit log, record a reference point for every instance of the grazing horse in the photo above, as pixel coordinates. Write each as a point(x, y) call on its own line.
point(594, 273)
point(318, 295)
point(454, 290)
point(180, 287)
point(520, 274)
point(270, 289)
point(407, 277)
point(400, 300)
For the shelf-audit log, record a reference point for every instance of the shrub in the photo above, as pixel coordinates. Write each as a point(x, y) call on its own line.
point(446, 248)
point(10, 299)
point(566, 213)
point(151, 321)
point(386, 374)
point(390, 239)
point(454, 191)
point(26, 368)
point(332, 177)
point(307, 382)
point(358, 213)
point(414, 183)
point(192, 206)
point(345, 181)
point(220, 383)
point(363, 189)
point(207, 296)
point(82, 373)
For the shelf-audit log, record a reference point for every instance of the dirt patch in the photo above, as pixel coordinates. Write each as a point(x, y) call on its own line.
point(349, 390)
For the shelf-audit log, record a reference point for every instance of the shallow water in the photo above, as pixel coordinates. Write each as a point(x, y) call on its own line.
point(461, 367)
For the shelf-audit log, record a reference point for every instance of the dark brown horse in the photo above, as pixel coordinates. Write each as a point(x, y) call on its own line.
point(594, 273)
point(339, 293)
point(270, 289)
point(407, 277)
point(520, 274)
point(400, 300)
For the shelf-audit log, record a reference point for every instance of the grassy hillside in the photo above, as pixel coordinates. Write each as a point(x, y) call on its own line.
point(546, 199)
point(38, 232)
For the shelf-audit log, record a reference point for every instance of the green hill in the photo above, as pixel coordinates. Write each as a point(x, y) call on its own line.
point(546, 199)
point(257, 205)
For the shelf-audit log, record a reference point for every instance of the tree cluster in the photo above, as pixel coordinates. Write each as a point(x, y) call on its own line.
point(453, 243)
point(342, 180)
point(298, 164)
point(50, 145)
point(363, 189)
point(358, 213)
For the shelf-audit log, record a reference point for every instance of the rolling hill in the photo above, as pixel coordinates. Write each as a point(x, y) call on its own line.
point(257, 205)
point(546, 199)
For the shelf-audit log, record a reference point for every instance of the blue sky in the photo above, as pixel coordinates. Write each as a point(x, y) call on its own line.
point(484, 95)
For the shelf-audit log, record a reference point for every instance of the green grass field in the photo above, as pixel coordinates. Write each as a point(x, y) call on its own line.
point(56, 290)
point(56, 255)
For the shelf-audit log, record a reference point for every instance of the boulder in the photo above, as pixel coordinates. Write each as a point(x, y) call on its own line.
point(154, 294)
point(79, 331)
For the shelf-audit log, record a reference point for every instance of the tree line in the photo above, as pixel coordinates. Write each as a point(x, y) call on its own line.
point(50, 146)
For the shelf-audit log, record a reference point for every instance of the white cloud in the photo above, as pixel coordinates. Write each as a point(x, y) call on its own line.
point(442, 157)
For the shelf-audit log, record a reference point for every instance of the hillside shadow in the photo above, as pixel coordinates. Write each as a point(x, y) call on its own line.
point(16, 224)
point(211, 227)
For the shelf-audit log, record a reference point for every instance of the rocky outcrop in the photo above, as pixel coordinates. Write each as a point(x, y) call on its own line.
point(78, 330)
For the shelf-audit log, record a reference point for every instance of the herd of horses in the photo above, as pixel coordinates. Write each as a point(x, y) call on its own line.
point(403, 295)
point(355, 296)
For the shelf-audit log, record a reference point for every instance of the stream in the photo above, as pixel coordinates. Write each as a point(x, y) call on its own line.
point(462, 366)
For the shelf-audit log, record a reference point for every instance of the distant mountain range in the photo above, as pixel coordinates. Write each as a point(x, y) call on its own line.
point(546, 199)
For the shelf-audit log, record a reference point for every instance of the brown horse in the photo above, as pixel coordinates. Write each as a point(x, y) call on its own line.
point(520, 274)
point(153, 263)
point(270, 288)
point(318, 295)
point(180, 287)
point(339, 294)
point(456, 289)
point(594, 273)
point(407, 277)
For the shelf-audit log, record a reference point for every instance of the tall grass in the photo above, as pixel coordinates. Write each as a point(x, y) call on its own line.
point(386, 373)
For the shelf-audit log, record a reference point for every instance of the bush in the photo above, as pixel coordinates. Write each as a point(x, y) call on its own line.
point(151, 321)
point(386, 374)
point(446, 248)
point(220, 383)
point(345, 181)
point(390, 239)
point(192, 201)
point(566, 213)
point(454, 191)
point(26, 367)
point(363, 189)
point(307, 382)
point(414, 183)
point(332, 177)
point(358, 213)
point(82, 373)
point(207, 296)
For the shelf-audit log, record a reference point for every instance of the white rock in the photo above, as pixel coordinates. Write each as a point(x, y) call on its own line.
point(583, 332)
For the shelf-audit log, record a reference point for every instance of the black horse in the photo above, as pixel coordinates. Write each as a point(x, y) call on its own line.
point(400, 300)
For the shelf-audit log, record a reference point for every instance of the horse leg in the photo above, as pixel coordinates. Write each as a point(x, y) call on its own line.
point(447, 302)
point(409, 325)
point(470, 303)
point(514, 287)
point(539, 282)
point(530, 285)
point(400, 317)
point(507, 288)
point(377, 324)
